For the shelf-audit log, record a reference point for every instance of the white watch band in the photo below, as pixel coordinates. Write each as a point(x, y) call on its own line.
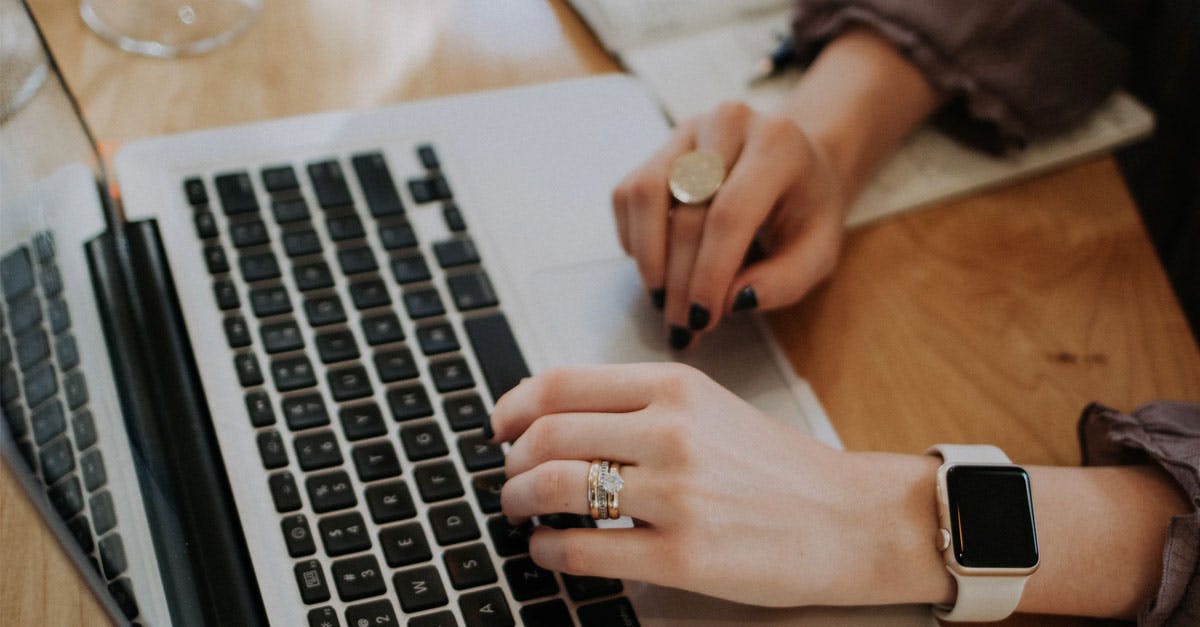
point(980, 597)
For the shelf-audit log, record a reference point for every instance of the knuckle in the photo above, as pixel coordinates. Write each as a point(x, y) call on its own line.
point(723, 217)
point(780, 127)
point(548, 488)
point(644, 190)
point(732, 113)
point(541, 436)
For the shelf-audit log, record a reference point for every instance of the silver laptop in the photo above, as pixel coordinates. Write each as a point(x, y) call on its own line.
point(253, 390)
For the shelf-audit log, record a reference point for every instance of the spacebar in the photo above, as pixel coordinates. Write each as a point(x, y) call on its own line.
point(499, 357)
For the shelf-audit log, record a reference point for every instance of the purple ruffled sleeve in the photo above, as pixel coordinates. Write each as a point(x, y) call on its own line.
point(1010, 69)
point(1166, 434)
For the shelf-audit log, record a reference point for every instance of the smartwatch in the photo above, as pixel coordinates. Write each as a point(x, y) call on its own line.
point(987, 534)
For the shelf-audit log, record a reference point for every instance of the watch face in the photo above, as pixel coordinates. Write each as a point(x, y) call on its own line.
point(991, 517)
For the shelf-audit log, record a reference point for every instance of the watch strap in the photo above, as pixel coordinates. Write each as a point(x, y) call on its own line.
point(982, 598)
point(969, 453)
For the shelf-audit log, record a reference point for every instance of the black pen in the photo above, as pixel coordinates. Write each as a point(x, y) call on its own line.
point(772, 64)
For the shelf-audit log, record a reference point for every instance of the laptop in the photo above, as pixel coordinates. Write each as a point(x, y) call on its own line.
point(250, 387)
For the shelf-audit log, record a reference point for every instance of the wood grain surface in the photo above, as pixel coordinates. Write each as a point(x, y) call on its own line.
point(992, 319)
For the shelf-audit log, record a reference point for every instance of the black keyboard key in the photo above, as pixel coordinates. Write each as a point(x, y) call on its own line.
point(453, 523)
point(552, 613)
point(196, 194)
point(9, 388)
point(410, 269)
point(206, 225)
point(112, 556)
point(318, 450)
point(377, 185)
point(272, 450)
point(376, 461)
point(226, 295)
point(270, 301)
point(396, 365)
point(451, 374)
point(81, 530)
point(32, 346)
point(344, 533)
point(122, 593)
point(104, 514)
point(611, 613)
point(438, 482)
point(59, 318)
point(330, 492)
point(75, 389)
point(420, 589)
point(280, 337)
point(389, 502)
point(249, 233)
point(278, 179)
point(259, 267)
point(362, 421)
point(67, 352)
point(16, 273)
point(67, 497)
point(24, 312)
point(358, 578)
point(355, 260)
point(304, 412)
point(428, 157)
point(382, 329)
point(509, 540)
point(471, 291)
point(453, 217)
point(487, 491)
point(311, 579)
point(47, 421)
point(429, 189)
point(214, 258)
point(284, 492)
point(43, 246)
point(444, 618)
point(300, 243)
point(292, 373)
point(289, 210)
point(437, 338)
point(57, 460)
point(479, 454)
point(91, 467)
point(349, 383)
point(409, 402)
point(236, 193)
point(423, 441)
point(312, 276)
point(325, 617)
point(368, 294)
point(345, 227)
point(485, 608)
point(465, 411)
point(51, 280)
point(330, 183)
point(423, 303)
point(14, 413)
point(40, 384)
point(497, 351)
point(396, 236)
point(84, 428)
point(585, 588)
point(248, 372)
point(298, 536)
point(455, 252)
point(236, 332)
point(258, 405)
point(335, 346)
point(528, 580)
point(323, 310)
point(374, 613)
point(404, 545)
point(567, 521)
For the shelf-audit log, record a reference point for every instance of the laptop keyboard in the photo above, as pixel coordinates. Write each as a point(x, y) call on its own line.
point(45, 400)
point(368, 415)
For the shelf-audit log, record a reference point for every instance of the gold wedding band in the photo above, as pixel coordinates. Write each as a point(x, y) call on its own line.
point(593, 490)
point(614, 496)
point(695, 177)
point(603, 490)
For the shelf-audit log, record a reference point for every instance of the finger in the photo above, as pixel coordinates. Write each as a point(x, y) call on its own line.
point(647, 205)
point(630, 553)
point(762, 175)
point(687, 224)
point(625, 438)
point(788, 274)
point(601, 388)
point(561, 486)
point(620, 204)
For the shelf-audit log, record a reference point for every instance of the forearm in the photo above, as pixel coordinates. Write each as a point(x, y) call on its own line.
point(859, 100)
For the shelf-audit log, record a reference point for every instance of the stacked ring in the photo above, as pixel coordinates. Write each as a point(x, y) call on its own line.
point(593, 490)
point(604, 486)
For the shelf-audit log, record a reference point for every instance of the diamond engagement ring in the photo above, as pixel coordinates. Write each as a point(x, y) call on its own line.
point(604, 486)
point(695, 177)
point(611, 482)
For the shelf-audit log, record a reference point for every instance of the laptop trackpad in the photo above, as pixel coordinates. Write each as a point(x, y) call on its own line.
point(599, 312)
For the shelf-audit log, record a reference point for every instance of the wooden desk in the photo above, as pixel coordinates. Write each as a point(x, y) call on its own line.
point(994, 319)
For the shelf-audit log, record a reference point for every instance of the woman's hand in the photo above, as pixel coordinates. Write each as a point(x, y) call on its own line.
point(727, 501)
point(779, 188)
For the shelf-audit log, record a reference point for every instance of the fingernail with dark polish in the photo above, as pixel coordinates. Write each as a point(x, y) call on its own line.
point(697, 317)
point(658, 297)
point(679, 337)
point(746, 299)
